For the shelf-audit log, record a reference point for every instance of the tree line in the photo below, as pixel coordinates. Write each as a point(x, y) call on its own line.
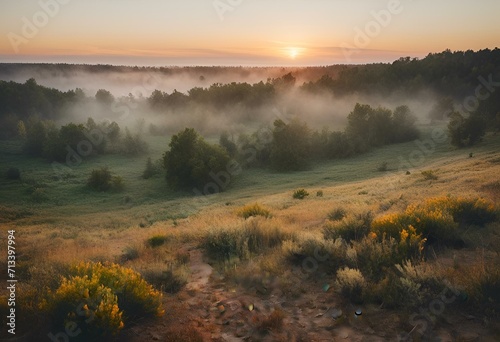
point(191, 162)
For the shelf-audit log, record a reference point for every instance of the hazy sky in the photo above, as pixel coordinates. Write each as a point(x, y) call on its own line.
point(241, 32)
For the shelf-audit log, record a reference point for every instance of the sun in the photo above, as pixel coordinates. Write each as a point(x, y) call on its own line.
point(293, 52)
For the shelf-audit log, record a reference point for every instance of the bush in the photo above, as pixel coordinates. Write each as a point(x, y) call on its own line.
point(13, 173)
point(157, 240)
point(314, 254)
point(300, 194)
point(101, 299)
point(337, 214)
point(253, 210)
point(351, 228)
point(352, 284)
point(474, 211)
point(319, 193)
point(170, 280)
point(375, 254)
point(255, 237)
point(434, 224)
point(478, 211)
point(102, 180)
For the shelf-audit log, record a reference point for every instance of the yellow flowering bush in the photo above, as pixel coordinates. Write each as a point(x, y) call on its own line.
point(437, 218)
point(99, 299)
point(135, 296)
point(88, 306)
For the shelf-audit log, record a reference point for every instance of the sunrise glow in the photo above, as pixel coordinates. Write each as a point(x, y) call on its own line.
point(241, 33)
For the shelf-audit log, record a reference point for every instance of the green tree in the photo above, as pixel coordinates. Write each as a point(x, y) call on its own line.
point(228, 144)
point(36, 136)
point(104, 97)
point(403, 125)
point(290, 147)
point(466, 131)
point(192, 162)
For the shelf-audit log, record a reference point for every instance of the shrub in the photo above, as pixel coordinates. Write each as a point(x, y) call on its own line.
point(102, 180)
point(314, 253)
point(319, 193)
point(130, 253)
point(429, 175)
point(13, 173)
point(170, 280)
point(374, 255)
point(156, 241)
point(223, 244)
point(100, 299)
point(88, 304)
point(351, 284)
point(135, 296)
point(433, 223)
point(351, 228)
point(300, 194)
point(337, 214)
point(476, 211)
point(253, 210)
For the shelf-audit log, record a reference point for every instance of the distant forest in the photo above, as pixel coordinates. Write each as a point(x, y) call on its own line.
point(466, 82)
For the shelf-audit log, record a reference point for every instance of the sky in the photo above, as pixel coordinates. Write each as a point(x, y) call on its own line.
point(241, 32)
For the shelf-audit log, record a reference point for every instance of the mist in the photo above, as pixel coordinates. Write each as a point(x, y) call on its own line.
point(132, 87)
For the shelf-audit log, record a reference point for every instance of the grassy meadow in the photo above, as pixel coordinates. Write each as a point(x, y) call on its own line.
point(288, 264)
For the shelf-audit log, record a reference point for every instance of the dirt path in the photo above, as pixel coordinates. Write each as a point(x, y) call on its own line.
point(206, 310)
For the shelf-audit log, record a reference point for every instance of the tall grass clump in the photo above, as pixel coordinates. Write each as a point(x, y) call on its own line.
point(300, 194)
point(253, 237)
point(337, 214)
point(353, 227)
point(100, 299)
point(253, 210)
point(313, 253)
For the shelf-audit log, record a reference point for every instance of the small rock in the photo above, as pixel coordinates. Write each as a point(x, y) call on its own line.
point(336, 313)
